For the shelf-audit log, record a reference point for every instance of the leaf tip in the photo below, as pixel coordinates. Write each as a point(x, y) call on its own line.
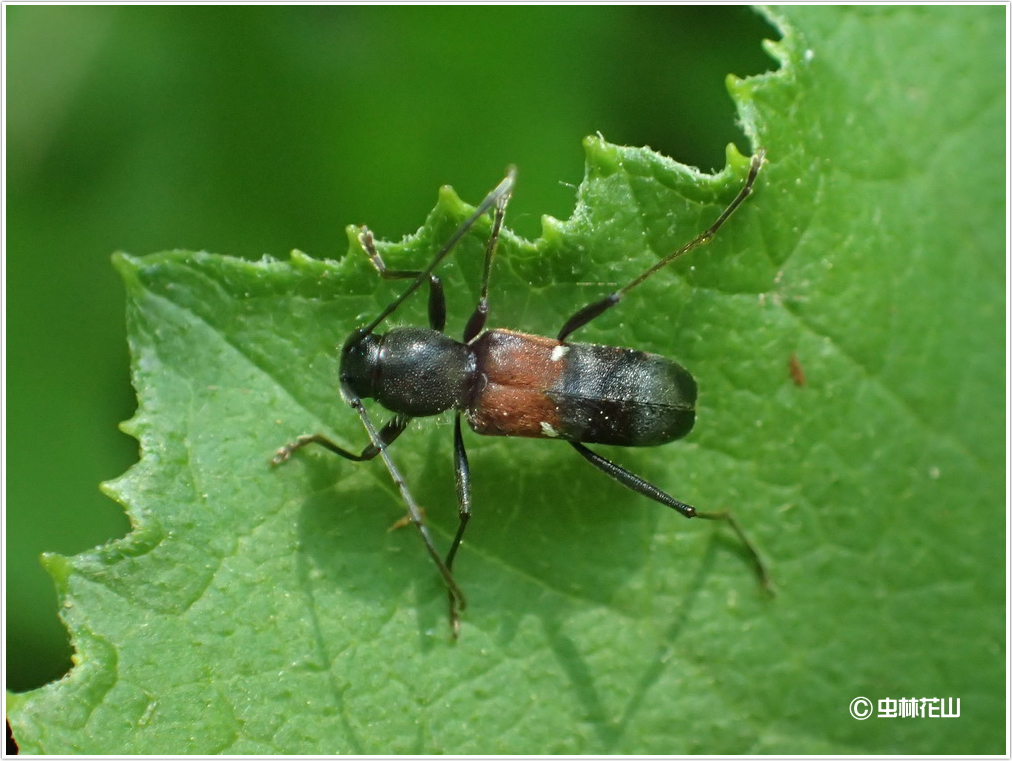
point(126, 265)
point(58, 567)
point(449, 203)
point(601, 155)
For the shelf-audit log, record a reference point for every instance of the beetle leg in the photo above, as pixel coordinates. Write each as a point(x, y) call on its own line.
point(463, 477)
point(437, 300)
point(387, 435)
point(476, 323)
point(415, 515)
point(647, 489)
point(493, 199)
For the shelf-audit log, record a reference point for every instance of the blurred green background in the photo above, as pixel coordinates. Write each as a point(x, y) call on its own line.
point(252, 130)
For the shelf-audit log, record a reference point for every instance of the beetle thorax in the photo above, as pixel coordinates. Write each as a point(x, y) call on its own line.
point(413, 371)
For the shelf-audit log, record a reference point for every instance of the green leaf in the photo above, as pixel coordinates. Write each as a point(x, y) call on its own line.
point(259, 610)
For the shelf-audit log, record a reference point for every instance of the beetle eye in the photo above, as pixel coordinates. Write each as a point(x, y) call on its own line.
point(359, 362)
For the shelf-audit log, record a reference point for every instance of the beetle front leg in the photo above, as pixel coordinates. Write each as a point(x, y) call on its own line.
point(387, 434)
point(437, 299)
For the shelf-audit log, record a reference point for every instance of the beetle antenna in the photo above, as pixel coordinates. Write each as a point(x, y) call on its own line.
point(596, 309)
point(414, 511)
point(502, 190)
point(704, 237)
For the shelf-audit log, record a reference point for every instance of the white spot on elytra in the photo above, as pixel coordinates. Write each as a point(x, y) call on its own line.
point(558, 353)
point(548, 430)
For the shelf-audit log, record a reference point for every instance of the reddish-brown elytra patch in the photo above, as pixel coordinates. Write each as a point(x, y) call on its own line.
point(519, 370)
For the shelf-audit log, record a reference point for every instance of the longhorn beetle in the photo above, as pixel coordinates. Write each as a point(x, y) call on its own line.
point(515, 384)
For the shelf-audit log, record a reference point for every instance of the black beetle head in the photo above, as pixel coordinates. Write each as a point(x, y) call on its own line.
point(360, 365)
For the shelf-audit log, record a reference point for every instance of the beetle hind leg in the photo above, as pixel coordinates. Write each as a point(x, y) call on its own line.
point(647, 489)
